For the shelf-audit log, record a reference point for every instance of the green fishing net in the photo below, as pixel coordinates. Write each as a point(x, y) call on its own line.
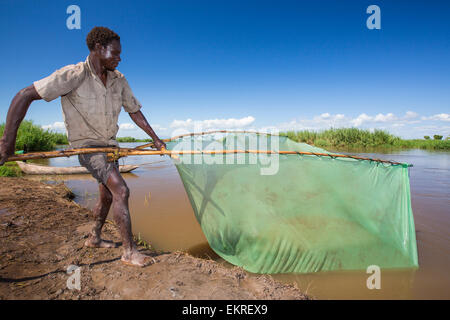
point(275, 213)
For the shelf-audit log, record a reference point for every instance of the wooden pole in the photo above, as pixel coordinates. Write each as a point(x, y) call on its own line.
point(116, 152)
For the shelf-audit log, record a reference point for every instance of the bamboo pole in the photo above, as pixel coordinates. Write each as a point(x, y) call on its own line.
point(116, 152)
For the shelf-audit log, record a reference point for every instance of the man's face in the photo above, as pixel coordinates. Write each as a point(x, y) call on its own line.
point(110, 55)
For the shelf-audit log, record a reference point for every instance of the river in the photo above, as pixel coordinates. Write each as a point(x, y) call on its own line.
point(162, 215)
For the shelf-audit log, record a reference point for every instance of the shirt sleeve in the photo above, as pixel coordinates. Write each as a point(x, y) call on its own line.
point(129, 101)
point(60, 82)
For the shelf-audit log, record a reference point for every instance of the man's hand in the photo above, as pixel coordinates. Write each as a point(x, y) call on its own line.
point(159, 144)
point(142, 123)
point(6, 150)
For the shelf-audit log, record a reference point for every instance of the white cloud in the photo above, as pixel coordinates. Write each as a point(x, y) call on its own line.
point(230, 123)
point(326, 117)
point(327, 120)
point(127, 126)
point(431, 130)
point(130, 129)
point(158, 127)
point(181, 123)
point(411, 115)
point(385, 118)
point(361, 119)
point(56, 126)
point(438, 117)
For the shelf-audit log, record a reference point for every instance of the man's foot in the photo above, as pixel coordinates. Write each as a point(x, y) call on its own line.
point(135, 258)
point(99, 243)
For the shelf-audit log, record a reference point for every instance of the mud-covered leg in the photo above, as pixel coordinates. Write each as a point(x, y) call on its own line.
point(120, 194)
point(100, 213)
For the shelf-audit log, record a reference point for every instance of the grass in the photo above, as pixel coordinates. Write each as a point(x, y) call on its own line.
point(136, 238)
point(424, 144)
point(131, 139)
point(31, 137)
point(10, 169)
point(359, 138)
point(141, 242)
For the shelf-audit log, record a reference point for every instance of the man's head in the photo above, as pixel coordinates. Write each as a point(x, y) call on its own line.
point(105, 44)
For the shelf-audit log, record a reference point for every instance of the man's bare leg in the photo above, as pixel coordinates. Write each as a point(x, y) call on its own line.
point(120, 194)
point(100, 213)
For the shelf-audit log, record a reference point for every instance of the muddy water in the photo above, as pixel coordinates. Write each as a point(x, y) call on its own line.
point(162, 214)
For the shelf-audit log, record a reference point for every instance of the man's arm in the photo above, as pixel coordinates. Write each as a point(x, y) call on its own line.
point(142, 123)
point(16, 113)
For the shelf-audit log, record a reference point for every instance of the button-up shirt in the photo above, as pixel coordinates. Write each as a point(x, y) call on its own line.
point(90, 109)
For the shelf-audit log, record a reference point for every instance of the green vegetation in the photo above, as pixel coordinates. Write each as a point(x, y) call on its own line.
point(359, 138)
point(424, 144)
point(131, 139)
point(60, 138)
point(141, 242)
point(31, 137)
point(10, 169)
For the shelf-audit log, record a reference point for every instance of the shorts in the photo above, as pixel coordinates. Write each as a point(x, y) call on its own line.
point(98, 165)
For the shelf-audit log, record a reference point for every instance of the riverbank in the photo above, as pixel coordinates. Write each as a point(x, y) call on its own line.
point(365, 140)
point(42, 232)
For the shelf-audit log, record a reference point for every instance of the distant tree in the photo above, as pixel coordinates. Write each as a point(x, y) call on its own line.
point(426, 137)
point(437, 137)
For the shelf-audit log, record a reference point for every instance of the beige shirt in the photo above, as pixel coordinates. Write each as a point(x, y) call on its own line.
point(90, 109)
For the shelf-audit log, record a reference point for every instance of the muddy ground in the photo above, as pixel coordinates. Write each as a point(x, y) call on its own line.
point(42, 232)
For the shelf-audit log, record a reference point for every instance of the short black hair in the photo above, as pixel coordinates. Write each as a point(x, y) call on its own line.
point(101, 35)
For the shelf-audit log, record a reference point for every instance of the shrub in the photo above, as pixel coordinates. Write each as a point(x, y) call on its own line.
point(31, 137)
point(437, 137)
point(10, 169)
point(321, 143)
point(354, 137)
point(60, 138)
point(344, 137)
point(126, 139)
point(131, 139)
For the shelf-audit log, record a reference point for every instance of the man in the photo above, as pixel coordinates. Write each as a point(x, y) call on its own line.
point(92, 95)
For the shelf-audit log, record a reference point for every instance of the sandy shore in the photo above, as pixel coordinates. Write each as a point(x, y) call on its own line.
point(42, 232)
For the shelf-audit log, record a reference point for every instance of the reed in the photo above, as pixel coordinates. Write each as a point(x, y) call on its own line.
point(10, 169)
point(31, 137)
point(360, 138)
point(131, 139)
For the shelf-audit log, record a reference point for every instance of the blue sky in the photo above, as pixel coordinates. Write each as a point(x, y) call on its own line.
point(247, 64)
